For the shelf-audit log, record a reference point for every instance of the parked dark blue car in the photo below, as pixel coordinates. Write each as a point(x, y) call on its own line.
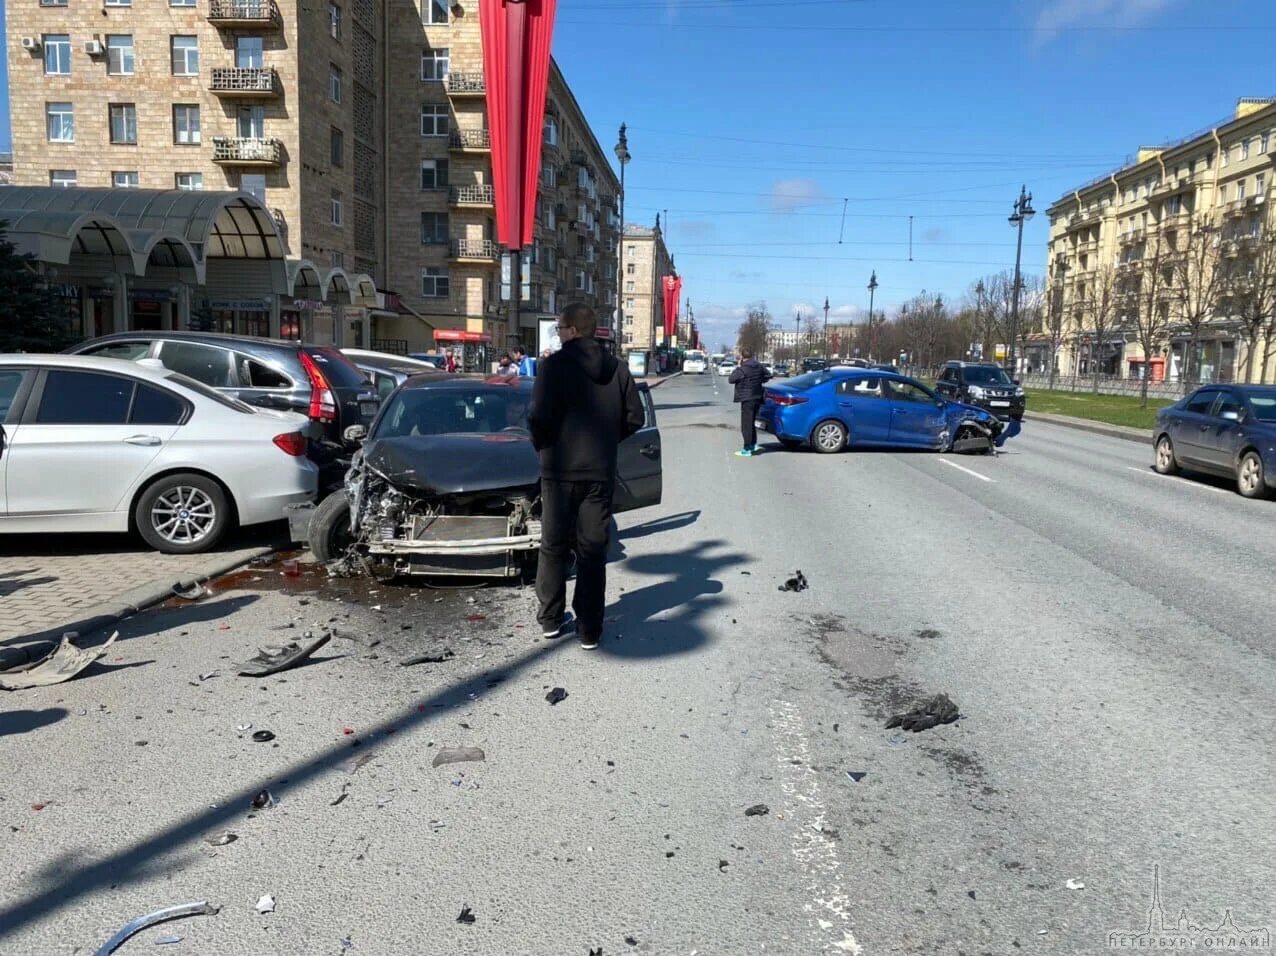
point(1227, 430)
point(857, 407)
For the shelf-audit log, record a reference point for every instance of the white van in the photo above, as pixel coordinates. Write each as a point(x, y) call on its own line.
point(695, 363)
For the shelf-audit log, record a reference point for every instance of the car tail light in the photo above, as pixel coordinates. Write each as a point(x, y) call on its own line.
point(788, 399)
point(323, 404)
point(291, 443)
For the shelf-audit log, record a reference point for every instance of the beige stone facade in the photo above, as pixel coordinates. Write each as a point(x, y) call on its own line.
point(646, 263)
point(1215, 186)
point(316, 109)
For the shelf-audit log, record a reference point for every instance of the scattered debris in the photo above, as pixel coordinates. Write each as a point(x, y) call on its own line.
point(345, 792)
point(631, 941)
point(723, 864)
point(65, 662)
point(201, 908)
point(796, 583)
point(263, 736)
point(243, 728)
point(347, 731)
point(447, 655)
point(37, 807)
point(475, 618)
point(467, 916)
point(194, 591)
point(596, 952)
point(927, 634)
point(266, 904)
point(272, 660)
point(209, 676)
point(458, 755)
point(352, 766)
point(1074, 885)
point(168, 940)
point(971, 894)
point(857, 775)
point(23, 654)
point(938, 710)
point(757, 810)
point(263, 801)
point(556, 695)
point(221, 839)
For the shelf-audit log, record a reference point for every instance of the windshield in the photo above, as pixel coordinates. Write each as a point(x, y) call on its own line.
point(452, 411)
point(987, 375)
point(695, 356)
point(1263, 402)
point(809, 380)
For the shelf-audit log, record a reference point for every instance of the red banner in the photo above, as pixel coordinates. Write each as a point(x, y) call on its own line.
point(673, 294)
point(516, 41)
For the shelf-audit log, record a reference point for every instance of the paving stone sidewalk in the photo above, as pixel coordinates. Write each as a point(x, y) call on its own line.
point(50, 584)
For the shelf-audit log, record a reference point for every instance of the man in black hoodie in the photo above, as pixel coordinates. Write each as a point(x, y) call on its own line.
point(584, 405)
point(748, 378)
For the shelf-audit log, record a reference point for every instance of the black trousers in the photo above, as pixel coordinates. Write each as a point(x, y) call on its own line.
point(579, 510)
point(748, 415)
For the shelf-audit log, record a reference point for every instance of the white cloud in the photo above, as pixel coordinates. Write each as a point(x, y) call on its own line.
point(1061, 14)
point(790, 194)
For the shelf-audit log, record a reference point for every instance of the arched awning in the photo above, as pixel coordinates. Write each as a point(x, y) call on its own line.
point(304, 280)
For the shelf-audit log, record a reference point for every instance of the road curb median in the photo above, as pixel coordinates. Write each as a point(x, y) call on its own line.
point(1142, 436)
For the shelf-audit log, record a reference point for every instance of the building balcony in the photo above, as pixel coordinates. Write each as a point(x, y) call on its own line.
point(243, 13)
point(474, 250)
point(473, 195)
point(281, 222)
point(470, 140)
point(247, 151)
point(244, 82)
point(466, 84)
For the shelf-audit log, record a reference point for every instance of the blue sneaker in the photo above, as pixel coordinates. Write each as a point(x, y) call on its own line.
point(744, 453)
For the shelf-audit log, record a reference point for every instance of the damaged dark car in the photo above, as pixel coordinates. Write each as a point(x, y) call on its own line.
point(447, 483)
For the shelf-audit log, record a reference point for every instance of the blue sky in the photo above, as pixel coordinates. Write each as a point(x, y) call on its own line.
point(751, 120)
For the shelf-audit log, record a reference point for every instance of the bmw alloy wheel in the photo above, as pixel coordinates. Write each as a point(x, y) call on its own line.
point(184, 515)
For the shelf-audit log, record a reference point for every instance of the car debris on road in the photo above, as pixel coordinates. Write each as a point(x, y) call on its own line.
point(272, 660)
point(65, 662)
point(133, 927)
point(938, 710)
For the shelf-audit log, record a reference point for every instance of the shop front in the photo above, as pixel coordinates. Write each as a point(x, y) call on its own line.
point(473, 350)
point(233, 317)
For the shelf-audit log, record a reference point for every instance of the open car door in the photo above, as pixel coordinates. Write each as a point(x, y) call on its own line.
point(639, 478)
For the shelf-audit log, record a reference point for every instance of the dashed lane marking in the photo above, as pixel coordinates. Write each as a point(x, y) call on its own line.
point(973, 474)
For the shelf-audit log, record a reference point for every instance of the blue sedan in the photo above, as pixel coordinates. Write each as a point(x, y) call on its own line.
point(1225, 430)
point(856, 407)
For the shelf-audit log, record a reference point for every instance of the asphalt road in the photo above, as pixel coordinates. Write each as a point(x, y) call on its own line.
point(1105, 632)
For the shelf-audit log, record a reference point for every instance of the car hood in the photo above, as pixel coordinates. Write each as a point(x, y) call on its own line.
point(436, 465)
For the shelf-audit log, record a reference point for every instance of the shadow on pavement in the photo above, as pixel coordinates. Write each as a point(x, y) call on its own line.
point(11, 582)
point(52, 545)
point(22, 721)
point(658, 525)
point(689, 595)
point(669, 406)
point(187, 615)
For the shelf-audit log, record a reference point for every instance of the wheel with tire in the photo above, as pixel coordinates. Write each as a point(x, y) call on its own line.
point(1166, 462)
point(791, 444)
point(1250, 480)
point(182, 514)
point(828, 437)
point(330, 536)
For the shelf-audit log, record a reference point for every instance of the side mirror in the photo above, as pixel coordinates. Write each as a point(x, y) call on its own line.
point(355, 434)
point(1231, 416)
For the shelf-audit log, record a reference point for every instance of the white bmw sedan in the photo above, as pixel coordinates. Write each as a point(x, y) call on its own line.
point(96, 444)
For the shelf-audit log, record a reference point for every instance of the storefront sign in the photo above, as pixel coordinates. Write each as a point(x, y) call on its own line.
point(456, 335)
point(238, 305)
point(150, 295)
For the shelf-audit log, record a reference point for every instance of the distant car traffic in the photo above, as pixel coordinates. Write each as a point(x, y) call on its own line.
point(846, 407)
point(1227, 430)
point(98, 444)
point(387, 372)
point(780, 369)
point(726, 367)
point(695, 363)
point(814, 364)
point(985, 384)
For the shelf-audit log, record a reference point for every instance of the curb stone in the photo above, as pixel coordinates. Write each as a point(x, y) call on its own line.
point(1143, 436)
point(130, 602)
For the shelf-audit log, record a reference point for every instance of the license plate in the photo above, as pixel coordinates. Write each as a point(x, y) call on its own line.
point(369, 409)
point(762, 425)
point(999, 404)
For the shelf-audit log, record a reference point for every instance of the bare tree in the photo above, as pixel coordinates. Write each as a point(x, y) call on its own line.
point(1195, 279)
point(812, 332)
point(1145, 291)
point(920, 327)
point(1097, 309)
point(1032, 300)
point(1054, 320)
point(752, 334)
point(1247, 291)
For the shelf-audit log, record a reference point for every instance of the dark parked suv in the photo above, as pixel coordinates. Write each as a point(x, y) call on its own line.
point(314, 380)
point(984, 384)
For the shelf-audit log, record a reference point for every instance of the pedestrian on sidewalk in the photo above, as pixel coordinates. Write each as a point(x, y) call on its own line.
point(449, 362)
point(525, 363)
point(584, 404)
point(506, 367)
point(748, 379)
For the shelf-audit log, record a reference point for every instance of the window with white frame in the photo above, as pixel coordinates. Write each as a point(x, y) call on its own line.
point(53, 3)
point(1175, 205)
point(1265, 141)
point(433, 227)
point(551, 215)
point(337, 209)
point(334, 82)
point(434, 64)
point(60, 121)
point(1223, 157)
point(434, 12)
point(185, 52)
point(117, 3)
point(123, 124)
point(629, 305)
point(633, 252)
point(57, 54)
point(434, 119)
point(551, 175)
point(1245, 148)
point(250, 122)
point(120, 59)
point(434, 173)
point(434, 283)
point(551, 131)
point(189, 181)
point(630, 268)
point(181, 3)
point(250, 53)
point(1260, 184)
point(631, 285)
point(1240, 190)
point(125, 180)
point(254, 184)
point(337, 147)
point(334, 21)
point(63, 178)
point(186, 124)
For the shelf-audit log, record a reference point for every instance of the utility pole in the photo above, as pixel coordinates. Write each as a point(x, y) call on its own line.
point(1022, 212)
point(826, 329)
point(872, 332)
point(622, 155)
point(797, 337)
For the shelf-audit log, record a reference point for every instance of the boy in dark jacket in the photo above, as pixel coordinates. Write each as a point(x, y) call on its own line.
point(584, 404)
point(748, 379)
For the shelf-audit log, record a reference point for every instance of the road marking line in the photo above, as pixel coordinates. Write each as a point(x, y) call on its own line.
point(974, 474)
point(1183, 483)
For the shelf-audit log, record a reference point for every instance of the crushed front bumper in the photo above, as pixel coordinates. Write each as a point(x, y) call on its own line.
point(473, 546)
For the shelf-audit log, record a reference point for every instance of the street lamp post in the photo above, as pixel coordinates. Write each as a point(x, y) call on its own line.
point(1022, 212)
point(872, 332)
point(797, 337)
point(826, 329)
point(622, 155)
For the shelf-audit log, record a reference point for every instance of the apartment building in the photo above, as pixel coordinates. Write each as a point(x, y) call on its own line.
point(646, 263)
point(1213, 186)
point(313, 109)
